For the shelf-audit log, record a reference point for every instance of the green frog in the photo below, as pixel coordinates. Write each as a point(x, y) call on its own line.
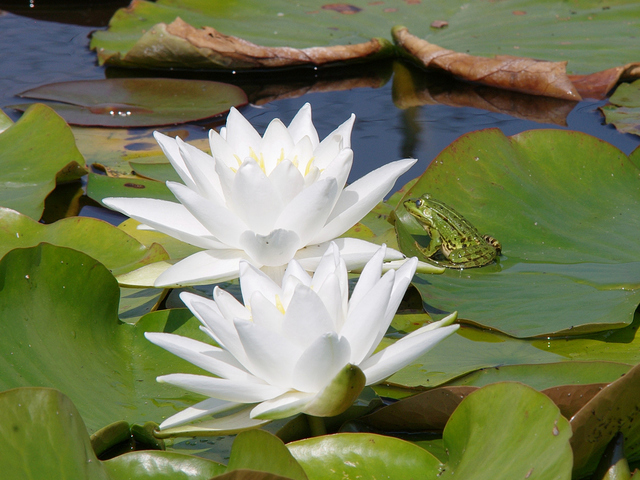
point(459, 242)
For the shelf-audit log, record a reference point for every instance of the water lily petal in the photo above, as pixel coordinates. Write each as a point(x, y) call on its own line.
point(212, 359)
point(287, 181)
point(271, 356)
point(265, 313)
point(320, 362)
point(202, 168)
point(388, 361)
point(306, 318)
point(283, 406)
point(302, 126)
point(221, 329)
point(301, 155)
point(240, 135)
point(276, 144)
point(229, 306)
point(210, 406)
point(344, 130)
point(339, 394)
point(369, 276)
point(308, 211)
point(274, 249)
point(202, 268)
point(360, 197)
point(328, 149)
point(255, 199)
point(222, 151)
point(355, 253)
point(171, 150)
point(167, 217)
point(225, 425)
point(254, 280)
point(223, 389)
point(339, 168)
point(222, 223)
point(363, 321)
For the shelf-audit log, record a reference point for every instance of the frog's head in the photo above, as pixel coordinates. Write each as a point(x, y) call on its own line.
point(421, 208)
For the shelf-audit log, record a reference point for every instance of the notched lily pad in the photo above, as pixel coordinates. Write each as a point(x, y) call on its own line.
point(137, 102)
point(36, 152)
point(564, 205)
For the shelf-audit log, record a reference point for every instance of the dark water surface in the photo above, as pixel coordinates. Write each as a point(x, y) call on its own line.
point(36, 52)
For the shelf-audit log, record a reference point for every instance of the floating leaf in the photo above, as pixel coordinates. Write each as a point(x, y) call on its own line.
point(47, 439)
point(525, 75)
point(615, 409)
point(259, 450)
point(505, 431)
point(35, 153)
point(5, 121)
point(61, 329)
point(553, 30)
point(623, 111)
point(119, 252)
point(564, 205)
point(101, 186)
point(138, 102)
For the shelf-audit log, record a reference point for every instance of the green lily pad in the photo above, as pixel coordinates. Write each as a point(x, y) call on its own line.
point(5, 121)
point(359, 455)
point(478, 349)
point(174, 247)
point(137, 302)
point(160, 172)
point(137, 102)
point(101, 186)
point(615, 409)
point(111, 149)
point(507, 430)
point(61, 330)
point(551, 30)
point(563, 205)
point(259, 450)
point(119, 252)
point(47, 438)
point(35, 153)
point(623, 111)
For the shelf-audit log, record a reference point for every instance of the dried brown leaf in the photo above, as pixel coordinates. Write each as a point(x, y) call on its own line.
point(526, 75)
point(597, 85)
point(234, 52)
point(571, 398)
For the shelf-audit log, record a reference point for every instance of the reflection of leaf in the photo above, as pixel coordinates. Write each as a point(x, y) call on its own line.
point(36, 152)
point(138, 102)
point(564, 205)
point(525, 75)
point(623, 111)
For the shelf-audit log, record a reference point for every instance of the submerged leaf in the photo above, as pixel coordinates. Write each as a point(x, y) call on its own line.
point(623, 111)
point(138, 102)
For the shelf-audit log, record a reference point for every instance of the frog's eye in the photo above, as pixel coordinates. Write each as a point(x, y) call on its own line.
point(419, 203)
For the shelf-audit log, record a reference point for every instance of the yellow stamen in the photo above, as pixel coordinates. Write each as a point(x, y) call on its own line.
point(237, 160)
point(279, 305)
point(308, 169)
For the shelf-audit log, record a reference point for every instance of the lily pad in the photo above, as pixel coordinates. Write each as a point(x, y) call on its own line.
point(35, 153)
point(615, 409)
point(5, 121)
point(564, 205)
point(137, 102)
point(47, 438)
point(119, 252)
point(551, 30)
point(61, 330)
point(101, 186)
point(623, 111)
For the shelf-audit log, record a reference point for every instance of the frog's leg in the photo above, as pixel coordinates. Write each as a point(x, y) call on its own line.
point(434, 245)
point(472, 256)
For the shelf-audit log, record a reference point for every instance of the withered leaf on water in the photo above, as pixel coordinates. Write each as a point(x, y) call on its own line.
point(526, 75)
point(181, 44)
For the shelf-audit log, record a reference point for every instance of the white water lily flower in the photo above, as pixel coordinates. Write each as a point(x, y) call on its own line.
point(265, 200)
point(302, 346)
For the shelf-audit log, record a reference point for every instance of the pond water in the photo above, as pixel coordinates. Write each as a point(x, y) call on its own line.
point(35, 52)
